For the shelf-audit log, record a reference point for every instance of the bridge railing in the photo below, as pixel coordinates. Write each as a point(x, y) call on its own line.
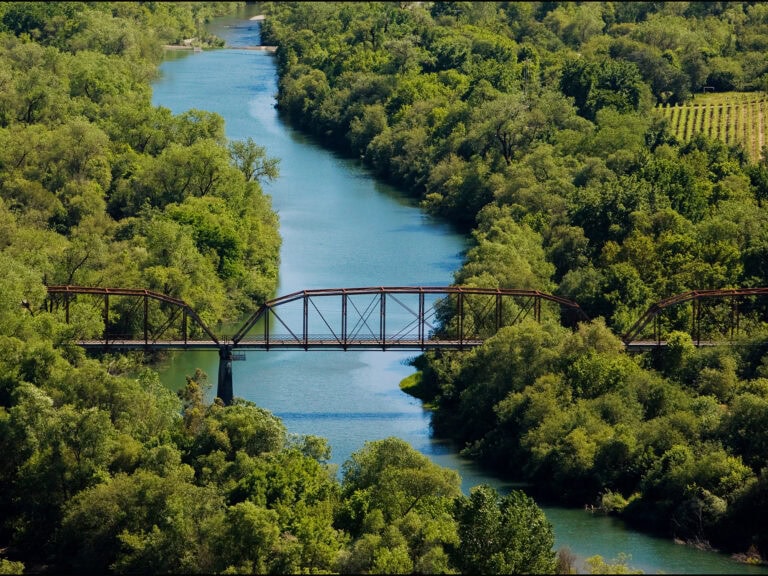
point(373, 317)
point(394, 315)
point(707, 315)
point(135, 314)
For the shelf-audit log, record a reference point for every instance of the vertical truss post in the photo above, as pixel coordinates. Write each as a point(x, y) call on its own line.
point(146, 320)
point(461, 319)
point(383, 318)
point(306, 321)
point(498, 311)
point(693, 319)
point(697, 320)
point(184, 324)
point(657, 329)
point(106, 317)
point(537, 308)
point(266, 328)
point(66, 306)
point(344, 320)
point(421, 318)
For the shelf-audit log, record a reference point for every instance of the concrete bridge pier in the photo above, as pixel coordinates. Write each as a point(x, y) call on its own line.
point(224, 388)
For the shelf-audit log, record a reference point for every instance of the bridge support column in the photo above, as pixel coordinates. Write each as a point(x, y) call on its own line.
point(224, 388)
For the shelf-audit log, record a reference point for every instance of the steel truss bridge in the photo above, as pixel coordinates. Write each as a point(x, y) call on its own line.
point(375, 318)
point(715, 316)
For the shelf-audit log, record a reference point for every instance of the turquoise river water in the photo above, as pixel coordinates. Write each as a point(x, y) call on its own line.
point(342, 228)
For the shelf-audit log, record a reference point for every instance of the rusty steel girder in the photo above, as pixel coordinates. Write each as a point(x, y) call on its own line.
point(344, 329)
point(179, 306)
point(695, 296)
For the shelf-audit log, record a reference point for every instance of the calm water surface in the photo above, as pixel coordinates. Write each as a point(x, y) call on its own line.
point(340, 228)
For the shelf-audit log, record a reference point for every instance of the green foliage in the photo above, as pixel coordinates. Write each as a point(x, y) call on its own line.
point(85, 152)
point(398, 507)
point(743, 429)
point(396, 478)
point(503, 535)
point(241, 428)
point(11, 567)
point(620, 565)
point(250, 535)
point(530, 125)
point(507, 251)
point(598, 85)
point(506, 363)
point(252, 161)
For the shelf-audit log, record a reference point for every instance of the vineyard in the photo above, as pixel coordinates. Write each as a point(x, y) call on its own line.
point(733, 117)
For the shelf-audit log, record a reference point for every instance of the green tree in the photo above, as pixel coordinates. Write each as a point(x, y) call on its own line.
point(619, 565)
point(11, 567)
point(509, 252)
point(742, 429)
point(397, 506)
point(396, 478)
point(240, 427)
point(251, 159)
point(597, 85)
point(503, 535)
point(249, 539)
point(507, 126)
point(143, 522)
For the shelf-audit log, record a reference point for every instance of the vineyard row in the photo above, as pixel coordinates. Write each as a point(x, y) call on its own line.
point(732, 122)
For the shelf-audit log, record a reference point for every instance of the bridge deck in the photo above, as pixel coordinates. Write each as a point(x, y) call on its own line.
point(278, 344)
point(645, 345)
point(415, 312)
point(257, 48)
point(323, 344)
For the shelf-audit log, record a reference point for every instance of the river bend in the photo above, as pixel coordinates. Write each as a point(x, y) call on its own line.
point(341, 228)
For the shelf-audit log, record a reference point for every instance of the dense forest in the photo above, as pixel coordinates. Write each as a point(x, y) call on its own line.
point(533, 126)
point(104, 469)
point(530, 126)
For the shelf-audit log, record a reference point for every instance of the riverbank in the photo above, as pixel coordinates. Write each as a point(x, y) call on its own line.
point(181, 47)
point(412, 385)
point(351, 397)
point(199, 49)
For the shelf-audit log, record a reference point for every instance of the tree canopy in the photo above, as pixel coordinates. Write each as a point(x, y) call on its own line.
point(532, 127)
point(105, 468)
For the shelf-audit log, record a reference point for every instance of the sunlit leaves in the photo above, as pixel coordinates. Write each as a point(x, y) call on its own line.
point(501, 535)
point(21, 284)
point(251, 159)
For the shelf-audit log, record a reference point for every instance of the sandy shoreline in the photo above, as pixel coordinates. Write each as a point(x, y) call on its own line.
point(199, 49)
point(258, 17)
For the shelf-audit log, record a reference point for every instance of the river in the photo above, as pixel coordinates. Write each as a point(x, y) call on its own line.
point(341, 228)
